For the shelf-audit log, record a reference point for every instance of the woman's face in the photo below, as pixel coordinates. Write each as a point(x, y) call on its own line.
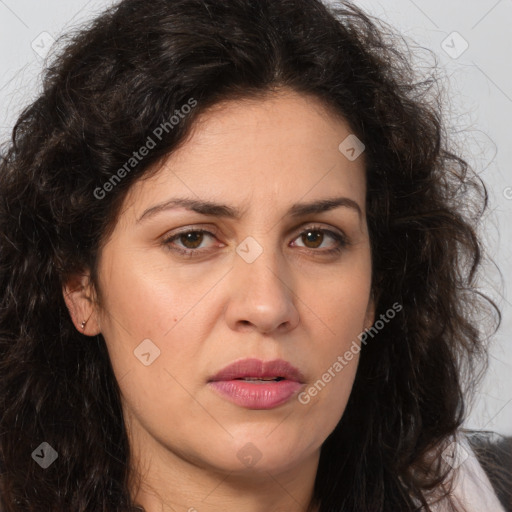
point(256, 286)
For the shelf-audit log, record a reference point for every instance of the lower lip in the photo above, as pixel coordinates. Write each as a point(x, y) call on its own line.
point(257, 395)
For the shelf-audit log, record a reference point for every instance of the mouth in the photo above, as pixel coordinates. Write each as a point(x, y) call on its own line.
point(258, 380)
point(256, 370)
point(255, 384)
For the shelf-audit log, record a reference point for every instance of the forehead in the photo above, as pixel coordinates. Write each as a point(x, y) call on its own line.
point(278, 150)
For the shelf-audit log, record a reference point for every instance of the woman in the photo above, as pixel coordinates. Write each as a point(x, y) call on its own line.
point(237, 264)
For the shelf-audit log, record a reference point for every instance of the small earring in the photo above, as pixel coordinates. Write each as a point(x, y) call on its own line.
point(83, 324)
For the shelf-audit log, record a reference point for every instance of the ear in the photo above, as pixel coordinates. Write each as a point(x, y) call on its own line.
point(81, 302)
point(370, 312)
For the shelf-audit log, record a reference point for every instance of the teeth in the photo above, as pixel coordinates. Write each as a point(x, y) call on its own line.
point(262, 379)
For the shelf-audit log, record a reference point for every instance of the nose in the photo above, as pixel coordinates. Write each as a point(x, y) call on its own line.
point(261, 294)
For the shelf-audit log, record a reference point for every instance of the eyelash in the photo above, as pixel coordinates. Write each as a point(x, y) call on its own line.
point(341, 240)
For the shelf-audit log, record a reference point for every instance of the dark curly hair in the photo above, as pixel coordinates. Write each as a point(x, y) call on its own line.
point(112, 84)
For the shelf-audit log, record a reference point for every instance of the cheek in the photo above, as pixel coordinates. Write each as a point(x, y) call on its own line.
point(340, 304)
point(339, 317)
point(137, 296)
point(145, 299)
point(153, 324)
point(326, 397)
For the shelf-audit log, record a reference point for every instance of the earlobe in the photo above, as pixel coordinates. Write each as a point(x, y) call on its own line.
point(79, 297)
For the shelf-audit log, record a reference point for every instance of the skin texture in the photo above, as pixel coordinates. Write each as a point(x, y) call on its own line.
point(292, 302)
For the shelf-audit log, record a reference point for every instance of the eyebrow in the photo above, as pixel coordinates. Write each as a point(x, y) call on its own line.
point(221, 210)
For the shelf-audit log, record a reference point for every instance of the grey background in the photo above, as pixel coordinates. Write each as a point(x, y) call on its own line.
point(479, 110)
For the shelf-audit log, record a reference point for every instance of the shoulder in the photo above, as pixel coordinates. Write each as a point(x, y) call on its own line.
point(480, 473)
point(494, 454)
point(473, 483)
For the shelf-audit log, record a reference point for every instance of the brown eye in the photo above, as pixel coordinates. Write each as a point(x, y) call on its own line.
point(313, 237)
point(194, 238)
point(189, 241)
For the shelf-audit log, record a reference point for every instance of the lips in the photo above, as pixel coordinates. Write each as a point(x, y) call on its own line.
point(255, 369)
point(256, 384)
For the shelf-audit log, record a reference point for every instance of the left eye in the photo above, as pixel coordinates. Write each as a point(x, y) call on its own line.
point(192, 239)
point(311, 236)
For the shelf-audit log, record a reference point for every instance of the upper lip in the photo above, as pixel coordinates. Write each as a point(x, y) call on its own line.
point(256, 368)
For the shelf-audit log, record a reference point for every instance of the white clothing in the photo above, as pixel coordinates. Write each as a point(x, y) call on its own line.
point(472, 491)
